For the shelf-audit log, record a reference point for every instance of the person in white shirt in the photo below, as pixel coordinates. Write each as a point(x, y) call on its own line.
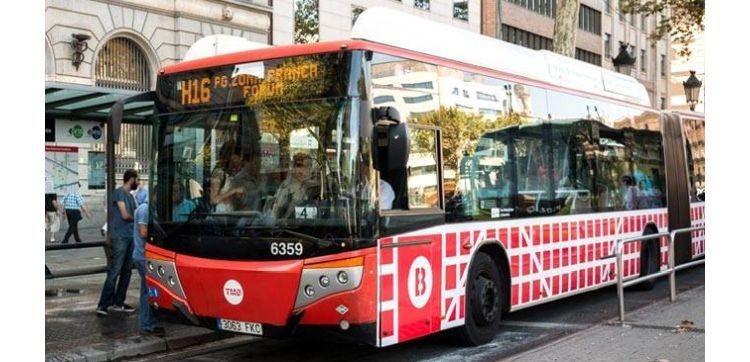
point(386, 195)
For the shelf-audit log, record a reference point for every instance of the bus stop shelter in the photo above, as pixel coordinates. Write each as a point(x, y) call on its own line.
point(86, 103)
point(79, 102)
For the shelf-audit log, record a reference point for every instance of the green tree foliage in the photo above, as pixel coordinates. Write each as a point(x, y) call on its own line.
point(306, 21)
point(460, 130)
point(682, 21)
point(293, 104)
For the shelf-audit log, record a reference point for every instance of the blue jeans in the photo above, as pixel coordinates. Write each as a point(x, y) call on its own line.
point(146, 318)
point(118, 276)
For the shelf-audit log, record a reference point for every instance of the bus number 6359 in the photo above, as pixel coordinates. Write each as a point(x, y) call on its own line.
point(286, 249)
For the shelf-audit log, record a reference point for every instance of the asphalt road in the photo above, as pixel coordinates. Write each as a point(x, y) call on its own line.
point(520, 332)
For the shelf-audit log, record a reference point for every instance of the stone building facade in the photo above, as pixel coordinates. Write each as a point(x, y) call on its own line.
point(652, 67)
point(130, 40)
point(681, 67)
point(163, 30)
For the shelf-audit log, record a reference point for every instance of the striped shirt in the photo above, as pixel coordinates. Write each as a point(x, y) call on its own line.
point(72, 201)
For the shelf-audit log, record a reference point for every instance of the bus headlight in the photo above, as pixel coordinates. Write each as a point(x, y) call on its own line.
point(342, 277)
point(165, 271)
point(316, 278)
point(309, 290)
point(324, 281)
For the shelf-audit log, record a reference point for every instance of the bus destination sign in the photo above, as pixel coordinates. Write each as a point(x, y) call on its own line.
point(255, 82)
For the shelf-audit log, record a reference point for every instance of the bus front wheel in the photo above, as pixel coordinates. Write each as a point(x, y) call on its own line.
point(484, 305)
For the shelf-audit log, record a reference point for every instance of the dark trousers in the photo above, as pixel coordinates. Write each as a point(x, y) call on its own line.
point(118, 276)
point(74, 216)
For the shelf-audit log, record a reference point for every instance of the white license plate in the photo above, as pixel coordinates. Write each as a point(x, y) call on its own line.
point(240, 326)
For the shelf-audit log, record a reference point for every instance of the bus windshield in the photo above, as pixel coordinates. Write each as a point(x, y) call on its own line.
point(279, 168)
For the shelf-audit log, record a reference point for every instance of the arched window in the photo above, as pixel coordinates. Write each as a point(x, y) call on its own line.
point(122, 64)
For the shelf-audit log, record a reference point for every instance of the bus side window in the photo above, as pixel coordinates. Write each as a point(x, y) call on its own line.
point(611, 166)
point(564, 163)
point(417, 186)
point(646, 170)
point(573, 158)
point(533, 172)
point(422, 179)
point(694, 132)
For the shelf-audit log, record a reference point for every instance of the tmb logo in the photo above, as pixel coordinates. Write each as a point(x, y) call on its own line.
point(420, 282)
point(233, 292)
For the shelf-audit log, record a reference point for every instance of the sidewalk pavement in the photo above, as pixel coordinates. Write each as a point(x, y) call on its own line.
point(72, 259)
point(91, 233)
point(73, 331)
point(660, 332)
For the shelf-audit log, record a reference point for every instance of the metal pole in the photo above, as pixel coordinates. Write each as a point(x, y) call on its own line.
point(620, 291)
point(672, 283)
point(110, 190)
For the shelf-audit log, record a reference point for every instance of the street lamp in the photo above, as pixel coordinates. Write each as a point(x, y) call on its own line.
point(623, 62)
point(692, 90)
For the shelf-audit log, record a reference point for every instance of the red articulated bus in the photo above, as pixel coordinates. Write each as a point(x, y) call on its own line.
point(414, 179)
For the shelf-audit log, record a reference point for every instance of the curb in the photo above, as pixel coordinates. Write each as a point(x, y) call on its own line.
point(139, 345)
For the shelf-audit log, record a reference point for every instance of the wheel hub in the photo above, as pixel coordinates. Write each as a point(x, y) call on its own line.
point(487, 297)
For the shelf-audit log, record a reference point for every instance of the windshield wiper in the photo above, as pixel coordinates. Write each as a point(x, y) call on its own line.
point(321, 242)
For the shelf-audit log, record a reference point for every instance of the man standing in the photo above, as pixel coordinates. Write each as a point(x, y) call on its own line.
point(146, 320)
point(118, 275)
point(73, 204)
point(141, 194)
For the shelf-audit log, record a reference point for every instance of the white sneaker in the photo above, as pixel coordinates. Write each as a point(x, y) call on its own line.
point(122, 308)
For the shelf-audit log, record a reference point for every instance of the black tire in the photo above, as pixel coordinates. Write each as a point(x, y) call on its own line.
point(649, 260)
point(484, 306)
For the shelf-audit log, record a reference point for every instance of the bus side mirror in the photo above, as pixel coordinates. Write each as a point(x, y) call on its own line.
point(391, 141)
point(398, 146)
point(387, 114)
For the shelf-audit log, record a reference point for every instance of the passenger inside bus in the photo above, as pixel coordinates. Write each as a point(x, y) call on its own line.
point(296, 189)
point(221, 191)
point(386, 195)
point(630, 193)
point(252, 182)
point(181, 206)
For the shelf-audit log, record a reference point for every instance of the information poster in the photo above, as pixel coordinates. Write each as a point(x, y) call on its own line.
point(60, 169)
point(97, 170)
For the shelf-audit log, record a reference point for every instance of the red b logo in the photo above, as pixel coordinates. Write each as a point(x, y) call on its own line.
point(419, 282)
